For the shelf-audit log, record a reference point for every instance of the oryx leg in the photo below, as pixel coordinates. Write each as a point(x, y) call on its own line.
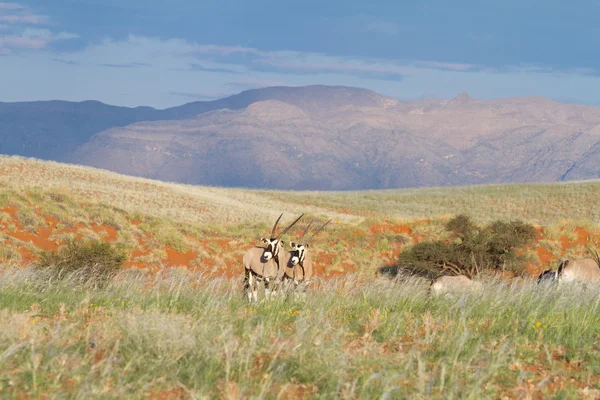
point(301, 288)
point(251, 285)
point(278, 287)
point(247, 289)
point(267, 289)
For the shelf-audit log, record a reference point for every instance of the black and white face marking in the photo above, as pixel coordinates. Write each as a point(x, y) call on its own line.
point(273, 246)
point(298, 252)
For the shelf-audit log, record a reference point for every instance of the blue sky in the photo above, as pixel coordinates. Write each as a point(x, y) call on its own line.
point(159, 53)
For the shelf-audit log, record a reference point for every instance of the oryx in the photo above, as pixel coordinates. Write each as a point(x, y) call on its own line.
point(299, 269)
point(586, 270)
point(263, 263)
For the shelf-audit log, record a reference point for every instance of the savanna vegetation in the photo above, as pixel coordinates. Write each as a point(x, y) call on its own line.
point(178, 334)
point(155, 309)
point(471, 249)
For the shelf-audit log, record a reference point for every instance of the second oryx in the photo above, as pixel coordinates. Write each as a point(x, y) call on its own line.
point(299, 268)
point(265, 264)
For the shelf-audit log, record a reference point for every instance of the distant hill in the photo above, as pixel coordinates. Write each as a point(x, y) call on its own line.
point(317, 137)
point(53, 130)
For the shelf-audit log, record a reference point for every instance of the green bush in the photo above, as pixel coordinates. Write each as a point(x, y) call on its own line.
point(92, 262)
point(471, 250)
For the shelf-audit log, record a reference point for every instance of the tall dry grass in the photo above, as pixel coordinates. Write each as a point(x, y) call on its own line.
point(179, 332)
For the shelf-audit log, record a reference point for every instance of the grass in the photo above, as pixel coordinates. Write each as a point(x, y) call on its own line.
point(180, 332)
point(576, 201)
point(177, 331)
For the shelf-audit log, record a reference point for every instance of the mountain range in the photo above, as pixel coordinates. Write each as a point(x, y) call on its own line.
point(317, 138)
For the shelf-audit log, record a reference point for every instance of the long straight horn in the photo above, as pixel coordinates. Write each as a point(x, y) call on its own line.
point(289, 227)
point(275, 226)
point(319, 230)
point(305, 232)
point(595, 255)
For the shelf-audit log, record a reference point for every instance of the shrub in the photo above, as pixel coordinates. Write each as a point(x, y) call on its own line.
point(461, 226)
point(471, 249)
point(94, 261)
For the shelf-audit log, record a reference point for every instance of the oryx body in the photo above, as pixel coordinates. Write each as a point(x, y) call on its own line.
point(585, 270)
point(258, 268)
point(265, 264)
point(298, 273)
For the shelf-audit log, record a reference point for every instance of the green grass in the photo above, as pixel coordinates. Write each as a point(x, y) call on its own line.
point(348, 339)
point(544, 203)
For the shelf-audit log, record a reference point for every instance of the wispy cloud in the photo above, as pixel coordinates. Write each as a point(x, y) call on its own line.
point(31, 39)
point(446, 66)
point(254, 83)
point(21, 32)
point(24, 19)
point(66, 62)
point(11, 6)
point(125, 65)
point(200, 67)
point(201, 96)
point(295, 62)
point(13, 13)
point(318, 63)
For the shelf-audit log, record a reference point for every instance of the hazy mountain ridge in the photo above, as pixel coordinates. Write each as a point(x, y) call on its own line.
point(321, 137)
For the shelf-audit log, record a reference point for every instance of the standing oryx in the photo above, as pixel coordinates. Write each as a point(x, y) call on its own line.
point(263, 264)
point(298, 268)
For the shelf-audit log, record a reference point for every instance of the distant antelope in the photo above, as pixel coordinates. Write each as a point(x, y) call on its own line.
point(454, 284)
point(586, 270)
point(263, 263)
point(299, 269)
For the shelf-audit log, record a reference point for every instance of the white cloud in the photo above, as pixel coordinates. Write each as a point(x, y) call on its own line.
point(11, 6)
point(19, 33)
point(251, 83)
point(13, 13)
point(445, 65)
point(24, 19)
point(166, 79)
point(31, 39)
point(293, 61)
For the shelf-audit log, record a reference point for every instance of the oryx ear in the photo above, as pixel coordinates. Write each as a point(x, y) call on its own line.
point(282, 243)
point(306, 245)
point(292, 245)
point(265, 241)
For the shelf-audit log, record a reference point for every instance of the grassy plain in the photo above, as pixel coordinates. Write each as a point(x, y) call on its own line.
point(174, 323)
point(181, 335)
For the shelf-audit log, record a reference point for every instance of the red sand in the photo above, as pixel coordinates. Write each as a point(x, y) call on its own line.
point(225, 260)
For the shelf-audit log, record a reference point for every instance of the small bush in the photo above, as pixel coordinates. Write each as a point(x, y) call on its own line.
point(471, 249)
point(94, 262)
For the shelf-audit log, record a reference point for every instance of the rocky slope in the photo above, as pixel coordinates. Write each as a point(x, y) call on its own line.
point(320, 137)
